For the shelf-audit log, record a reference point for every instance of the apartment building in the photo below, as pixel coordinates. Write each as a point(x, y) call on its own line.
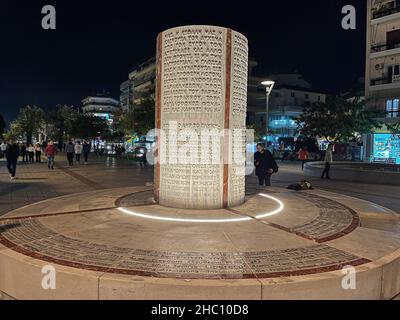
point(100, 106)
point(382, 85)
point(290, 93)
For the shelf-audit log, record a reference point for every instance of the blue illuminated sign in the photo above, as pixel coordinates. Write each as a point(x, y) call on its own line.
point(387, 148)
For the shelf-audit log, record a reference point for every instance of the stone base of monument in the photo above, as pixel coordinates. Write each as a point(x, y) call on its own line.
point(119, 244)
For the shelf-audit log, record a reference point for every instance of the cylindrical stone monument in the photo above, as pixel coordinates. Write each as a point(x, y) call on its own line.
point(201, 87)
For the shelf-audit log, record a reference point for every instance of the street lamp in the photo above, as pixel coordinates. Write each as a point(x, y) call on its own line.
point(269, 85)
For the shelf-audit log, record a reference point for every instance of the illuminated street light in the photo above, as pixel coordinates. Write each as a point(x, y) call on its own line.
point(269, 85)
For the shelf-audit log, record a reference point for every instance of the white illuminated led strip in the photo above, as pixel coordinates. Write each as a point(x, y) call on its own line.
point(243, 219)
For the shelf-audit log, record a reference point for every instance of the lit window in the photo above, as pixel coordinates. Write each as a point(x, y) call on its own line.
point(396, 108)
point(392, 108)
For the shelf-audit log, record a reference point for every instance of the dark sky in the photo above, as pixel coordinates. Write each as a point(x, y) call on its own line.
point(97, 43)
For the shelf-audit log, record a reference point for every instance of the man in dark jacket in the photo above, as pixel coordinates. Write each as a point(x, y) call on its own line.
point(12, 154)
point(265, 165)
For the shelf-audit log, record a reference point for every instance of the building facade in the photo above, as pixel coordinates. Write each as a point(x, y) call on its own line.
point(290, 94)
point(382, 85)
point(126, 95)
point(101, 106)
point(143, 78)
point(141, 83)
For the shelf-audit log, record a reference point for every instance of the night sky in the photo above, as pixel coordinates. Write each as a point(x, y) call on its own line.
point(97, 43)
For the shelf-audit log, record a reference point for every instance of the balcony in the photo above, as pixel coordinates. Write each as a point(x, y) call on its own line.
point(386, 11)
point(380, 47)
point(380, 81)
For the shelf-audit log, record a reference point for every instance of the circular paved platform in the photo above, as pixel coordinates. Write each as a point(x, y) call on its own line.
point(119, 244)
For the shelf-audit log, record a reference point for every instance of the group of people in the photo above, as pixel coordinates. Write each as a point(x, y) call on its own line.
point(266, 165)
point(76, 151)
point(328, 159)
point(264, 161)
point(12, 151)
point(30, 153)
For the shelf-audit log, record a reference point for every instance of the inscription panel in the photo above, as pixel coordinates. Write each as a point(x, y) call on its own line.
point(34, 239)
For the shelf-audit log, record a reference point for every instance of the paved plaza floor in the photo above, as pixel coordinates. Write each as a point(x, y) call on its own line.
point(36, 183)
point(99, 225)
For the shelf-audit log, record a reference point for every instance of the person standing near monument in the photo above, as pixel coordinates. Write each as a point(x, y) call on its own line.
point(265, 165)
point(328, 161)
point(12, 154)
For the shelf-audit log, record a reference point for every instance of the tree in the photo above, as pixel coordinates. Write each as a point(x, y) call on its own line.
point(28, 123)
point(87, 126)
point(59, 122)
point(310, 143)
point(2, 125)
point(394, 128)
point(124, 121)
point(144, 115)
point(338, 120)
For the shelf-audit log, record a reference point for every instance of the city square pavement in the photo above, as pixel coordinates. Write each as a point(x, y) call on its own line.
point(100, 227)
point(36, 183)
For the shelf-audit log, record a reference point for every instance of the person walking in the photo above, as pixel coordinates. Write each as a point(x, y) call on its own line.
point(78, 151)
point(38, 152)
point(70, 150)
point(328, 161)
point(86, 151)
point(50, 152)
point(31, 153)
point(265, 165)
point(12, 154)
point(303, 156)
